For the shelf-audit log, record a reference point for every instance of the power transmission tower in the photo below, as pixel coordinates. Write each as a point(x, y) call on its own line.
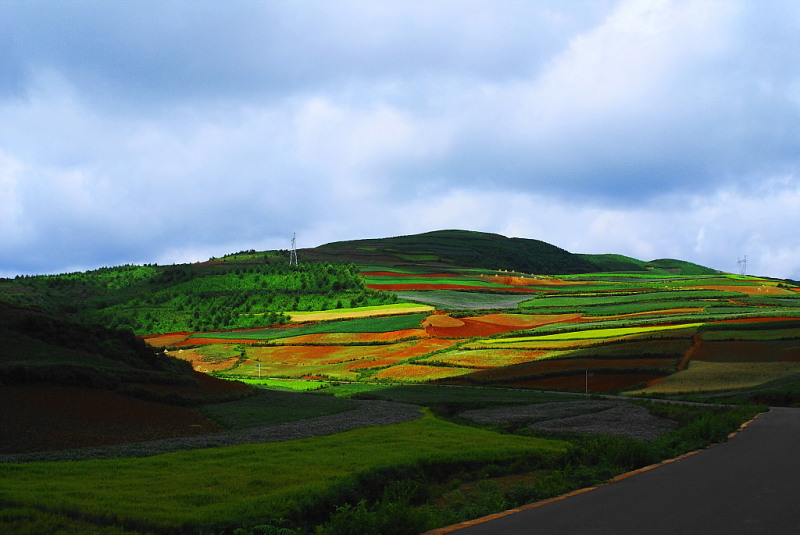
point(742, 265)
point(293, 252)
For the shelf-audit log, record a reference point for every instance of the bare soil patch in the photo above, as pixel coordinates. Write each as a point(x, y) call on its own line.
point(510, 280)
point(36, 418)
point(367, 413)
point(199, 362)
point(164, 340)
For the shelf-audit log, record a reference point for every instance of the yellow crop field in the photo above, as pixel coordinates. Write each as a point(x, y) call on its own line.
point(591, 334)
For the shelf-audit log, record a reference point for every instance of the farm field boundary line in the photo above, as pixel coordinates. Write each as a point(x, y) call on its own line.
point(456, 527)
point(369, 413)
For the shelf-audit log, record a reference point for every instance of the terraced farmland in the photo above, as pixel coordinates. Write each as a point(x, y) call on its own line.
point(602, 332)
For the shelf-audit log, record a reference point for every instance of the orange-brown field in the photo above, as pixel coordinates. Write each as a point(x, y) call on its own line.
point(510, 280)
point(446, 326)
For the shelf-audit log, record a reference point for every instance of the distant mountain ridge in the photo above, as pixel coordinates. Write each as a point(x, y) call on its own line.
point(472, 249)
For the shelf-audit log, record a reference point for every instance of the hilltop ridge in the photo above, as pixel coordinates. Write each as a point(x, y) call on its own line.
point(466, 248)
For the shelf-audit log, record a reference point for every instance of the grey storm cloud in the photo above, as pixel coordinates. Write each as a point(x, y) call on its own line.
point(134, 131)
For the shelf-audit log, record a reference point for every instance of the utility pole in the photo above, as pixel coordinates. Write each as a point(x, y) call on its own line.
point(293, 252)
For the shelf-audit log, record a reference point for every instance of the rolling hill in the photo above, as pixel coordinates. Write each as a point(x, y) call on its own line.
point(470, 249)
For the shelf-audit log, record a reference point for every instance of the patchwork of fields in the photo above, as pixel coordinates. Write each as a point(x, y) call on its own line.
point(603, 333)
point(380, 327)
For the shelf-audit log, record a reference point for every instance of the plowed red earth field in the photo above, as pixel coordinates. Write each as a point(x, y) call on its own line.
point(748, 351)
point(445, 326)
point(41, 418)
point(597, 383)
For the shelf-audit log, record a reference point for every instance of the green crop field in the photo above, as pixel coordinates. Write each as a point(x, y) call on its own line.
point(360, 325)
point(595, 333)
point(212, 489)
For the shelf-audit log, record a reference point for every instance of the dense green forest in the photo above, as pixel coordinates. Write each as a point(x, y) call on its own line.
point(192, 297)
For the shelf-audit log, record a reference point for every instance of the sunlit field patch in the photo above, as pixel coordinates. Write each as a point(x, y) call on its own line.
point(418, 372)
point(205, 363)
point(335, 361)
point(594, 333)
point(483, 358)
point(359, 312)
point(164, 340)
point(490, 324)
point(352, 338)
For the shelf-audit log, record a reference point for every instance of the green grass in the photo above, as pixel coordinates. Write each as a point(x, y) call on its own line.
point(434, 281)
point(287, 385)
point(240, 485)
point(679, 296)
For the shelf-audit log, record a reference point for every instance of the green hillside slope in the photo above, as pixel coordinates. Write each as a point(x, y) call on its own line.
point(457, 248)
point(39, 348)
point(604, 263)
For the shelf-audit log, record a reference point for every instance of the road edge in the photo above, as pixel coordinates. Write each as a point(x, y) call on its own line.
point(467, 523)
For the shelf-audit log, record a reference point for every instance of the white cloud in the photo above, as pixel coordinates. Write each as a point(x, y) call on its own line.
point(648, 128)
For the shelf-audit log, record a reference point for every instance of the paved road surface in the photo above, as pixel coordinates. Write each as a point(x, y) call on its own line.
point(748, 485)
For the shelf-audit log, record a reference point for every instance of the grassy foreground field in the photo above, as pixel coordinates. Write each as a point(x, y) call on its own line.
point(239, 485)
point(400, 478)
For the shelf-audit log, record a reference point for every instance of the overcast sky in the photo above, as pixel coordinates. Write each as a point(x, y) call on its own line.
point(172, 131)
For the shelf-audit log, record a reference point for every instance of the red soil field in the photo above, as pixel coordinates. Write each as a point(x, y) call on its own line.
point(345, 338)
point(164, 340)
point(443, 325)
point(40, 418)
point(755, 320)
point(298, 355)
point(208, 341)
point(524, 281)
point(392, 354)
point(361, 357)
point(748, 351)
point(570, 365)
point(597, 383)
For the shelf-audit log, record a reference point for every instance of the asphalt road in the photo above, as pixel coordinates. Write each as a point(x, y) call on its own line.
point(747, 485)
